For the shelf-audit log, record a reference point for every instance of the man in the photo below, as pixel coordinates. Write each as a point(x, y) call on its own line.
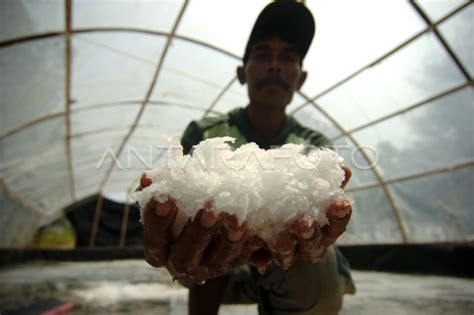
point(299, 272)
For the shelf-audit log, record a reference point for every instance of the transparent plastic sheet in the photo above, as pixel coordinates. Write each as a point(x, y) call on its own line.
point(372, 219)
point(92, 155)
point(296, 102)
point(352, 34)
point(23, 18)
point(437, 9)
point(32, 81)
point(34, 165)
point(147, 149)
point(312, 118)
point(114, 116)
point(409, 76)
point(435, 135)
point(17, 223)
point(157, 15)
point(167, 121)
point(193, 74)
point(111, 67)
point(226, 24)
point(458, 32)
point(444, 212)
point(236, 96)
point(96, 137)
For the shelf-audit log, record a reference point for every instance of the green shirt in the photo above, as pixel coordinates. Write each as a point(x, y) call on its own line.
point(236, 124)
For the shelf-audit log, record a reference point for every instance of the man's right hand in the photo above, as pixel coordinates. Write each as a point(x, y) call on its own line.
point(208, 245)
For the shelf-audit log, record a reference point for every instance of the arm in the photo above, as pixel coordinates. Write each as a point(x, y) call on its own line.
point(191, 136)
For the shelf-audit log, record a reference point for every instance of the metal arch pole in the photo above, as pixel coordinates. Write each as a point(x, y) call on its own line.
point(123, 230)
point(94, 106)
point(148, 95)
point(219, 96)
point(126, 212)
point(67, 37)
point(96, 219)
point(440, 170)
point(188, 106)
point(134, 102)
point(24, 39)
point(4, 186)
point(441, 39)
point(137, 119)
point(29, 124)
point(409, 108)
point(376, 171)
point(381, 58)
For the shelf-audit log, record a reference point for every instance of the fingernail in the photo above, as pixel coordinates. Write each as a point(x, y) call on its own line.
point(208, 219)
point(341, 214)
point(163, 209)
point(234, 235)
point(306, 235)
point(145, 181)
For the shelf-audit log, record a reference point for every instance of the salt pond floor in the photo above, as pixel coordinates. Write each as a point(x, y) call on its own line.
point(133, 287)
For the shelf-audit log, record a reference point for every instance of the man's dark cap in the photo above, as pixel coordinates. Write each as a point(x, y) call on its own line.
point(289, 20)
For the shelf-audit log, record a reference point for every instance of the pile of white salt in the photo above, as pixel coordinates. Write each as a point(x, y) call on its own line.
point(265, 187)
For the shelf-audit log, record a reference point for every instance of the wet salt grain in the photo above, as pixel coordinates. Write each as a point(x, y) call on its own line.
point(265, 187)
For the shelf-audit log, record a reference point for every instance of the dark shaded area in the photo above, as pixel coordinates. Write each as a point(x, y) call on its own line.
point(455, 260)
point(452, 260)
point(17, 256)
point(438, 259)
point(81, 215)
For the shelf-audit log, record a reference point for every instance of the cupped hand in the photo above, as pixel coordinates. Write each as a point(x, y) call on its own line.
point(305, 239)
point(207, 246)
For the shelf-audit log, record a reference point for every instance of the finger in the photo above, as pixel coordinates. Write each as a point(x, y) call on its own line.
point(260, 259)
point(201, 274)
point(144, 182)
point(347, 176)
point(338, 214)
point(188, 249)
point(308, 235)
point(283, 249)
point(157, 231)
point(227, 246)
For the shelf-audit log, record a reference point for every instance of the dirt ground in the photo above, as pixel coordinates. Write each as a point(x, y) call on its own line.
point(133, 287)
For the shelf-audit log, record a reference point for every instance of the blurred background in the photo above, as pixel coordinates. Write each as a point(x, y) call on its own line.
point(90, 91)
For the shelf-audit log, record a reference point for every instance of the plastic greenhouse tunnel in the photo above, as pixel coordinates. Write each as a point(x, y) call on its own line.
point(91, 92)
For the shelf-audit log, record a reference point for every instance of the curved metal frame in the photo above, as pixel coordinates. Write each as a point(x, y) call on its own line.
point(172, 35)
point(409, 108)
point(431, 26)
point(440, 170)
point(68, 65)
point(377, 173)
point(73, 110)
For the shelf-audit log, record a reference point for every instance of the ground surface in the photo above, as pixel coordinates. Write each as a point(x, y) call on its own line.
point(132, 287)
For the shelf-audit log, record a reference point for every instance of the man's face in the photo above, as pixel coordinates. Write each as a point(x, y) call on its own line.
point(272, 73)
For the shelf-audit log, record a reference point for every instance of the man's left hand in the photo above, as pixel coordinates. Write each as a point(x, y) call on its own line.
point(305, 239)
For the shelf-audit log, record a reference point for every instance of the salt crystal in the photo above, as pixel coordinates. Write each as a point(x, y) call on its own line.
point(265, 187)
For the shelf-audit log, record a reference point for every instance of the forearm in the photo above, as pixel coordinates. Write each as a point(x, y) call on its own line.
point(206, 298)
